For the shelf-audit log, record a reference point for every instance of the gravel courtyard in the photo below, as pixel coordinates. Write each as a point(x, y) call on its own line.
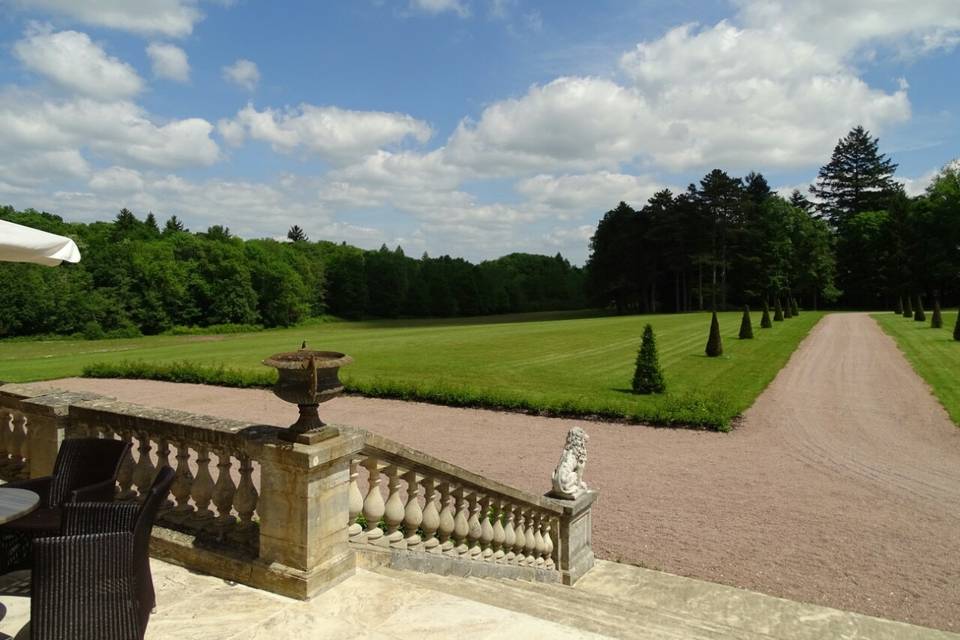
point(841, 486)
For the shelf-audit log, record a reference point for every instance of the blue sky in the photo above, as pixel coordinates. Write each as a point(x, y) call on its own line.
point(469, 127)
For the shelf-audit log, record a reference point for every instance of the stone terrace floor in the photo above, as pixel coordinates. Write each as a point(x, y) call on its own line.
point(613, 600)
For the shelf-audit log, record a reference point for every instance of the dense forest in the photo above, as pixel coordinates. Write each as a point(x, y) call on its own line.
point(857, 241)
point(138, 277)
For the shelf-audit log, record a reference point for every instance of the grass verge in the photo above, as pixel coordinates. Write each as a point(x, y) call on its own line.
point(933, 353)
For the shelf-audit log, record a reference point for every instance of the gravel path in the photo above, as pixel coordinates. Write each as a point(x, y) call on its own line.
point(841, 487)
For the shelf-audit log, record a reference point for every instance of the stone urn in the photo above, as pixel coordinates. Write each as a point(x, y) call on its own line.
point(306, 378)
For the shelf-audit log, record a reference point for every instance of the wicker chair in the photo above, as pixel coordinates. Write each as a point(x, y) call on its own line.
point(94, 580)
point(85, 470)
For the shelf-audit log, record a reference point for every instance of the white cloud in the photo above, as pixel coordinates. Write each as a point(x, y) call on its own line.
point(243, 73)
point(172, 18)
point(570, 123)
point(116, 180)
point(333, 133)
point(120, 130)
point(918, 186)
point(588, 193)
point(73, 61)
point(441, 6)
point(843, 26)
point(169, 61)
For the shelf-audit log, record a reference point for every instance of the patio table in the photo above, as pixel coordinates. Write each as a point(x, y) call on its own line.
point(15, 503)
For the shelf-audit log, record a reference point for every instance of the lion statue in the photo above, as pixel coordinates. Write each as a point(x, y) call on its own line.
point(568, 476)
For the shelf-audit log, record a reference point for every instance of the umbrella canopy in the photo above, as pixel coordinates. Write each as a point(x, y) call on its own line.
point(24, 244)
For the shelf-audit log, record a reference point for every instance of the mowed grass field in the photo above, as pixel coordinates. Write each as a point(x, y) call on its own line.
point(934, 354)
point(564, 364)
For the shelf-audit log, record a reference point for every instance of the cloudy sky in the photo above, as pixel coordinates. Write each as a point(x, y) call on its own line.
point(469, 127)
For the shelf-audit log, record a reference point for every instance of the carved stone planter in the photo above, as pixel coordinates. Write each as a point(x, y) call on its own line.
point(306, 378)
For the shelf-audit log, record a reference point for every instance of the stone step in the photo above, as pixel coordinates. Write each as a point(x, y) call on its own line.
point(623, 601)
point(570, 608)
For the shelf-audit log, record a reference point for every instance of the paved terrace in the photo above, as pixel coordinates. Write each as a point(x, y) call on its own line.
point(612, 601)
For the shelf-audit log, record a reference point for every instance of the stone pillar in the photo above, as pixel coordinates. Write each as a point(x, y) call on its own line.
point(304, 510)
point(48, 419)
point(575, 538)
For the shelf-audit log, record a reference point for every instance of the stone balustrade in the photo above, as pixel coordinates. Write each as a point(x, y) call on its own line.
point(295, 518)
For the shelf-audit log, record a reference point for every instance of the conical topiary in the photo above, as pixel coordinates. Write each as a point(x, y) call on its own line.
point(908, 307)
point(796, 308)
point(899, 308)
point(956, 329)
point(918, 313)
point(787, 312)
point(765, 318)
point(648, 376)
point(746, 327)
point(936, 320)
point(777, 311)
point(714, 342)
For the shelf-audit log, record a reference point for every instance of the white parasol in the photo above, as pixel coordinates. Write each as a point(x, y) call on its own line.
point(25, 244)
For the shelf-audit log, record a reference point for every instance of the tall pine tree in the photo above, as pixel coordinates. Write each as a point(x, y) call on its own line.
point(858, 178)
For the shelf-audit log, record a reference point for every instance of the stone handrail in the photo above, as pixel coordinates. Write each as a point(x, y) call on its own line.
point(295, 518)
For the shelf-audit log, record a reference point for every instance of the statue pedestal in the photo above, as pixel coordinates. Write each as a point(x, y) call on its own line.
point(575, 553)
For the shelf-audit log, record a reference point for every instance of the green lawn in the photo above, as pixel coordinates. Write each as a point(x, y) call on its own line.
point(934, 354)
point(557, 363)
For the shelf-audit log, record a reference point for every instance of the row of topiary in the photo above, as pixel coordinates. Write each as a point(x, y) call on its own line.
point(918, 314)
point(648, 375)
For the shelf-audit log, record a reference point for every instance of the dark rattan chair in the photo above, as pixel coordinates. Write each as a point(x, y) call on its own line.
point(119, 601)
point(132, 517)
point(85, 470)
point(84, 588)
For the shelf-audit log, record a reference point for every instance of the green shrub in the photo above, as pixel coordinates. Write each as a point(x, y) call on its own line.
point(918, 313)
point(714, 342)
point(908, 307)
point(956, 329)
point(777, 311)
point(93, 331)
point(899, 308)
point(765, 322)
point(188, 372)
point(746, 326)
point(796, 308)
point(648, 376)
point(936, 320)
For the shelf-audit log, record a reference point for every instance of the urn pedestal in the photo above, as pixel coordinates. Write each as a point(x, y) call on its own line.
point(306, 378)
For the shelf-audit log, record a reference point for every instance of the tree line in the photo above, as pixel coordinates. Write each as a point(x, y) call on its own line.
point(858, 241)
point(137, 277)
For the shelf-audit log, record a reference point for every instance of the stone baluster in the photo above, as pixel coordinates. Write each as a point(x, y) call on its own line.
point(539, 545)
point(548, 546)
point(163, 460)
point(354, 529)
point(530, 548)
point(183, 481)
point(461, 523)
point(519, 558)
point(447, 523)
point(431, 516)
point(223, 492)
point(245, 500)
point(144, 470)
point(19, 441)
point(373, 505)
point(510, 534)
point(412, 513)
point(202, 487)
point(499, 534)
point(125, 473)
point(486, 528)
point(5, 418)
point(393, 512)
point(475, 529)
